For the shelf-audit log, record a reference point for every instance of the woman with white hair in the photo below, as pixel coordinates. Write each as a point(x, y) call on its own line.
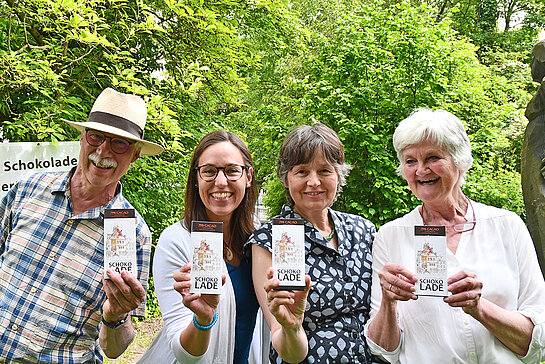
point(494, 312)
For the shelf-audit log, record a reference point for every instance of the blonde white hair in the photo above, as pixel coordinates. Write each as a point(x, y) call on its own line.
point(438, 126)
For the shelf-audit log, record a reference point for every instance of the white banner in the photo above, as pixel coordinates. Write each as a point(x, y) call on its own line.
point(20, 159)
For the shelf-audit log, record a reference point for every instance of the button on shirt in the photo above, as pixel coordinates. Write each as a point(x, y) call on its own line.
point(339, 299)
point(51, 268)
point(500, 252)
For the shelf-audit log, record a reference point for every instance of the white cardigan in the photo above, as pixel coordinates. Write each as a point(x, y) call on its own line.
point(173, 252)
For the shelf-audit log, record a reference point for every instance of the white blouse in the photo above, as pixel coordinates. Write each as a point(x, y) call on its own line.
point(500, 251)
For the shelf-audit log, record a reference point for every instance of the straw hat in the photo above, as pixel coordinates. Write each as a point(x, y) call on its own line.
point(119, 114)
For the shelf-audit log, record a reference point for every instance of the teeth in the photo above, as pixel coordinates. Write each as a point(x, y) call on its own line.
point(221, 195)
point(313, 193)
point(105, 163)
point(100, 165)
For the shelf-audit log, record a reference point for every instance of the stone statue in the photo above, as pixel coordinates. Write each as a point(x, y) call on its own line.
point(533, 157)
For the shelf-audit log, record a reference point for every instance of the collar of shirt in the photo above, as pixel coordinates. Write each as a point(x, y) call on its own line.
point(62, 186)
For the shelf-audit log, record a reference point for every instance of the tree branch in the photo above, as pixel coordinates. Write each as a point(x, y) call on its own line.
point(439, 16)
point(38, 37)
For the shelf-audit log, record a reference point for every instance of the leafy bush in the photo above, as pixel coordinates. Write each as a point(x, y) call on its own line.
point(375, 66)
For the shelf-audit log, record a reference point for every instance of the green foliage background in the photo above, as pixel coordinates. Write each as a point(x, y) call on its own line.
point(261, 67)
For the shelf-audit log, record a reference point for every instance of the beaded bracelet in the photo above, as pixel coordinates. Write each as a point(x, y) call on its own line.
point(207, 327)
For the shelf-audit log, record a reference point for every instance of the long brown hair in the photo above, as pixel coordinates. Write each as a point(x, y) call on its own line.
point(242, 220)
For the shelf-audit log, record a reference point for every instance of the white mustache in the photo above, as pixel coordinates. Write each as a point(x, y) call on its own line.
point(102, 162)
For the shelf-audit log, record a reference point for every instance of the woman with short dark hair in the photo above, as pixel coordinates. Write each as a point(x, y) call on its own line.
point(324, 322)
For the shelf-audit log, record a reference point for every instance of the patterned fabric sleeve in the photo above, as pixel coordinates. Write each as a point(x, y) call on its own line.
point(261, 237)
point(5, 216)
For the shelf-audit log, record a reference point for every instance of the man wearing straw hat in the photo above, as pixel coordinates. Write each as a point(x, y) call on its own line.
point(54, 301)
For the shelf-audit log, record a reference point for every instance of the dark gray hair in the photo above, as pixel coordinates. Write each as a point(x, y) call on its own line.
point(439, 126)
point(301, 145)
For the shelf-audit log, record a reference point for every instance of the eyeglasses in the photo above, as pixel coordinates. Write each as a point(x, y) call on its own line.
point(463, 226)
point(232, 172)
point(468, 225)
point(117, 144)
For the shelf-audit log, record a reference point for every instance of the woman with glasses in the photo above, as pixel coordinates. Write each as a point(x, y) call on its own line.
point(494, 310)
point(206, 328)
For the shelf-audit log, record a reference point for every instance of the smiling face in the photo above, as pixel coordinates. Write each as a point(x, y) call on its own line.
point(430, 172)
point(312, 186)
point(221, 196)
point(101, 168)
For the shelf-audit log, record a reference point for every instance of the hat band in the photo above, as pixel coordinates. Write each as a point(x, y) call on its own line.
point(116, 122)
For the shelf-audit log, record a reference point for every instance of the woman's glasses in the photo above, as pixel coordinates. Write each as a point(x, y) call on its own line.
point(464, 226)
point(209, 173)
point(468, 225)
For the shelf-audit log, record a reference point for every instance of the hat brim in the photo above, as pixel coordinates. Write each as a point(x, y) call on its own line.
point(148, 148)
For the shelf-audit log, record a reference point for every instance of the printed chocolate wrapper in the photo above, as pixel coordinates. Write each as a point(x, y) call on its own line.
point(430, 246)
point(288, 244)
point(120, 241)
point(207, 261)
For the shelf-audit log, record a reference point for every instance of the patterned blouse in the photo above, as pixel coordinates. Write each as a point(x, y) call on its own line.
point(339, 299)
